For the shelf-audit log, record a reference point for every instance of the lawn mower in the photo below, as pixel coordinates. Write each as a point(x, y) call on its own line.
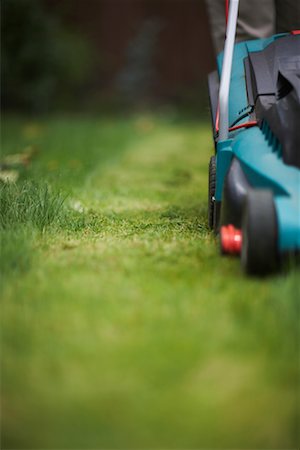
point(254, 175)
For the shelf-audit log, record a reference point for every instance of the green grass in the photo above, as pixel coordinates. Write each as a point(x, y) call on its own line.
point(122, 327)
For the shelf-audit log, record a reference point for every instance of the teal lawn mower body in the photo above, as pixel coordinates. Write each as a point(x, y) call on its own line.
point(254, 176)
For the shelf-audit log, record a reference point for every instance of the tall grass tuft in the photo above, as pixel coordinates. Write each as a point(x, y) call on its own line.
point(29, 203)
point(25, 209)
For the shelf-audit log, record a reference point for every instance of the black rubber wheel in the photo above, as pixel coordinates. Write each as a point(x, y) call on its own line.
point(259, 254)
point(211, 191)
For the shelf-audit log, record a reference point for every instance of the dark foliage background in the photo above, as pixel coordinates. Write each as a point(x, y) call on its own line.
point(43, 61)
point(96, 54)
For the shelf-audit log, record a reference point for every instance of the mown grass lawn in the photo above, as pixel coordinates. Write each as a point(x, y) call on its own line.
point(122, 327)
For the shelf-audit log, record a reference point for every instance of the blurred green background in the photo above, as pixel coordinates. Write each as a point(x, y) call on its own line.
point(121, 325)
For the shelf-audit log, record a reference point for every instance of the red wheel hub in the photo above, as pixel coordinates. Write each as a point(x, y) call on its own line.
point(231, 240)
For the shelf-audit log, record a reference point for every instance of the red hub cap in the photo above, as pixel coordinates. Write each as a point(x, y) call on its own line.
point(231, 240)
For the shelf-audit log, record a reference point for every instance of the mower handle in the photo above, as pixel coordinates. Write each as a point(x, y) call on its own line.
point(226, 70)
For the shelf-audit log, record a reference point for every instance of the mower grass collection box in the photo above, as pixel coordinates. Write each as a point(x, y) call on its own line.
point(254, 176)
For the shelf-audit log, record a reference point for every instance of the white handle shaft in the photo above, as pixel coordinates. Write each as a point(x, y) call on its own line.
point(226, 70)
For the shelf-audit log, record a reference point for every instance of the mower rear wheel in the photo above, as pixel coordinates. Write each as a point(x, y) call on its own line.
point(259, 255)
point(211, 191)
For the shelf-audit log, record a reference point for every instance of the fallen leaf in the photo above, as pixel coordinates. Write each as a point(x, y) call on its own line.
point(76, 205)
point(32, 130)
point(69, 245)
point(19, 159)
point(9, 176)
point(52, 165)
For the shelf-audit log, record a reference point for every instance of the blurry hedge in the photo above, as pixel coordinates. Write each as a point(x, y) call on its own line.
point(44, 65)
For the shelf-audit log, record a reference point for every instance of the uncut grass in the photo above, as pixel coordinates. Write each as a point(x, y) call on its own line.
point(25, 209)
point(129, 330)
point(29, 203)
